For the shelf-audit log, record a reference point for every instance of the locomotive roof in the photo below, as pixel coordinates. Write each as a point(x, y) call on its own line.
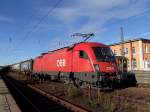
point(72, 46)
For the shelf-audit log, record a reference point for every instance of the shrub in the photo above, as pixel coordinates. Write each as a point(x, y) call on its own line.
point(73, 91)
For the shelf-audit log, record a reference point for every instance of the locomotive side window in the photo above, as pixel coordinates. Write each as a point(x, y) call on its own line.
point(83, 54)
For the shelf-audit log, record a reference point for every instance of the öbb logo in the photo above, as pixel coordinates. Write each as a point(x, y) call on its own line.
point(61, 62)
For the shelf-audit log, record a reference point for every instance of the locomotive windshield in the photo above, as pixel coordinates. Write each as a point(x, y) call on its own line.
point(103, 54)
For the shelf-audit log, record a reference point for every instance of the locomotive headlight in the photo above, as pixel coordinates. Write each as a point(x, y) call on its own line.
point(96, 66)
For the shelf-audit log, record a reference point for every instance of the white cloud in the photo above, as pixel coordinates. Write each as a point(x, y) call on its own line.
point(6, 19)
point(89, 16)
point(98, 12)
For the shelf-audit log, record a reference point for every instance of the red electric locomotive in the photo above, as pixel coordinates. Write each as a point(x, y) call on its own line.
point(85, 62)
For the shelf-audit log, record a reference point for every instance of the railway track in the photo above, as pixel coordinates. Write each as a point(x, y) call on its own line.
point(30, 100)
point(66, 103)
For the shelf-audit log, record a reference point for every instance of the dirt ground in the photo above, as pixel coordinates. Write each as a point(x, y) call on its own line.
point(131, 99)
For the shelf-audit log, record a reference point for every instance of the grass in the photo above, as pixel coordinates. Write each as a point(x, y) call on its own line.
point(73, 91)
point(106, 103)
point(148, 109)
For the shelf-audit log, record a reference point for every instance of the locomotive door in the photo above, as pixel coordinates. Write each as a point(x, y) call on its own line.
point(75, 61)
point(81, 61)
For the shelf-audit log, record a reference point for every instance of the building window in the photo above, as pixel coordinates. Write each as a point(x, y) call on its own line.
point(114, 52)
point(128, 63)
point(125, 50)
point(133, 50)
point(148, 64)
point(134, 63)
point(146, 49)
point(120, 51)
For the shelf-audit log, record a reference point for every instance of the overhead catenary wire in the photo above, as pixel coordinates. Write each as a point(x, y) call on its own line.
point(42, 19)
point(55, 6)
point(10, 38)
point(51, 10)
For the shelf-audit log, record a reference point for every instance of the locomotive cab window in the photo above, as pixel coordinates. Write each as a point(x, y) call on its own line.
point(103, 54)
point(82, 54)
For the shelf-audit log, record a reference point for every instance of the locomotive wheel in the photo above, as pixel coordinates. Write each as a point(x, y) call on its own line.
point(78, 82)
point(84, 84)
point(66, 81)
point(111, 86)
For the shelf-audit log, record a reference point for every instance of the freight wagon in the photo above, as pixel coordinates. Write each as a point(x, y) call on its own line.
point(24, 67)
point(15, 67)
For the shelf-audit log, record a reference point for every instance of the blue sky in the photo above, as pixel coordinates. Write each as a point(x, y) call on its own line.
point(102, 17)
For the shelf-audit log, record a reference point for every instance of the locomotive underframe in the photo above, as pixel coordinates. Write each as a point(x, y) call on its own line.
point(94, 78)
